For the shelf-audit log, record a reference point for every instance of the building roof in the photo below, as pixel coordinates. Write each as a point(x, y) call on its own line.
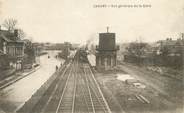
point(10, 38)
point(5, 38)
point(7, 35)
point(178, 42)
point(168, 42)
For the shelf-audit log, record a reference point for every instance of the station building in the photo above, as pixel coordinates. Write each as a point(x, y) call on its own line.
point(11, 49)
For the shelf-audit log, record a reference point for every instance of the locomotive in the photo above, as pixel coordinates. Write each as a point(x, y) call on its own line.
point(83, 55)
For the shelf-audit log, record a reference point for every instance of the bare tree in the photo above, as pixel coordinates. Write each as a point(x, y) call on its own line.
point(10, 24)
point(21, 34)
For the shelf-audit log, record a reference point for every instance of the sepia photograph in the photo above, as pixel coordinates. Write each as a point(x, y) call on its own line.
point(91, 56)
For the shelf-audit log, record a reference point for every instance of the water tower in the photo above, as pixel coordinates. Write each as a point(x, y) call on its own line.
point(106, 55)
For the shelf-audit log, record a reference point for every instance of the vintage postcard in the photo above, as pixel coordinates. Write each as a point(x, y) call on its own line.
point(91, 56)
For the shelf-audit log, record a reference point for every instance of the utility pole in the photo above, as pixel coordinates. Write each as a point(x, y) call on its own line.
point(107, 29)
point(182, 38)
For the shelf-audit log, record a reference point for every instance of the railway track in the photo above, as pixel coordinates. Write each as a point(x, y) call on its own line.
point(81, 93)
point(100, 104)
point(76, 91)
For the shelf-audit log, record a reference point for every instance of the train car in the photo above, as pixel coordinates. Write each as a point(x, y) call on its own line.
point(83, 55)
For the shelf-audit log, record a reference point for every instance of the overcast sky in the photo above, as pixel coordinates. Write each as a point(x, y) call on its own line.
point(77, 21)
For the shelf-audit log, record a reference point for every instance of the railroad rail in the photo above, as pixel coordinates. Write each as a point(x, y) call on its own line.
point(76, 91)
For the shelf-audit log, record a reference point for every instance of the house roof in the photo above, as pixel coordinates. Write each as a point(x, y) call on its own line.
point(10, 38)
point(7, 35)
point(171, 42)
point(5, 38)
point(168, 42)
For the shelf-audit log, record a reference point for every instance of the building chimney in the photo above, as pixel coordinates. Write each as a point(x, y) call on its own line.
point(107, 29)
point(182, 36)
point(16, 33)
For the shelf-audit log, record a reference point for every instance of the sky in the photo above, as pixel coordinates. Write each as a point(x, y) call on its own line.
point(77, 21)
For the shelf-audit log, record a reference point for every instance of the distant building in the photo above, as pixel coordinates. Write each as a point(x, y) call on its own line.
point(106, 54)
point(12, 47)
point(172, 47)
point(53, 46)
point(38, 49)
point(168, 53)
point(66, 50)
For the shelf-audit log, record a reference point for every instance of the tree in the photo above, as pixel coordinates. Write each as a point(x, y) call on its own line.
point(21, 34)
point(137, 49)
point(164, 51)
point(29, 52)
point(10, 24)
point(136, 52)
